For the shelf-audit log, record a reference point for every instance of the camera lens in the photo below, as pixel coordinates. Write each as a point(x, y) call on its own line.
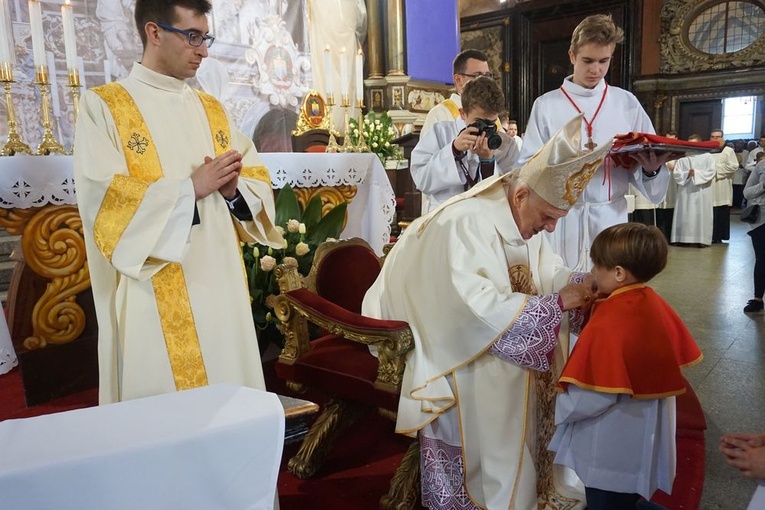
point(493, 140)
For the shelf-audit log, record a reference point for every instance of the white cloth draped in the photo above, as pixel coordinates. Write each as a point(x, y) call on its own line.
point(692, 222)
point(602, 203)
point(213, 447)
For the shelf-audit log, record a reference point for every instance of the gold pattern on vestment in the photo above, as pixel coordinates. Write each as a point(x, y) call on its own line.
point(578, 181)
point(259, 173)
point(521, 279)
point(53, 247)
point(331, 197)
point(218, 121)
point(170, 291)
point(121, 202)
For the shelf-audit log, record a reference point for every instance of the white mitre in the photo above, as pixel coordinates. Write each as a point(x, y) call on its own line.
point(560, 170)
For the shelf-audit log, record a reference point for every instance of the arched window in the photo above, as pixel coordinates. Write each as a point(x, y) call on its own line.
point(727, 27)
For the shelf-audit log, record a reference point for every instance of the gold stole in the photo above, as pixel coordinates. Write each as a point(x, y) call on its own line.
point(123, 197)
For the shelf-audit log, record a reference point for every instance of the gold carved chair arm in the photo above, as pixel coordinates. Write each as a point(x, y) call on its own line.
point(392, 338)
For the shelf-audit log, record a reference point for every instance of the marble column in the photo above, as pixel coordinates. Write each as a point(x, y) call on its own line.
point(395, 38)
point(374, 40)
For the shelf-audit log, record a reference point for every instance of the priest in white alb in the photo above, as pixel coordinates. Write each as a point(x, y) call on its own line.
point(694, 200)
point(489, 305)
point(167, 187)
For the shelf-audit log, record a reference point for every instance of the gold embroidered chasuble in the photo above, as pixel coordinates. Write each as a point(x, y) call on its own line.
point(171, 298)
point(457, 283)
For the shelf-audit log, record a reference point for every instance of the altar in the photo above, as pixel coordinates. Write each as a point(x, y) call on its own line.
point(50, 306)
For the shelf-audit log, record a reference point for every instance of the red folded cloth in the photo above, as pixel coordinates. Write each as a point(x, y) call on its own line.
point(625, 161)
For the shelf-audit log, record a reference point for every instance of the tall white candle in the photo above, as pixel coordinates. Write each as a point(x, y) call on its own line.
point(38, 42)
point(343, 72)
point(5, 36)
point(70, 41)
point(328, 71)
point(359, 76)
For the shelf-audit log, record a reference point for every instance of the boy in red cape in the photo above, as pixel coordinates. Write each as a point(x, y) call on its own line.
point(615, 413)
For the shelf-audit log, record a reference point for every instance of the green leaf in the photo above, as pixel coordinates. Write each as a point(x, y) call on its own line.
point(329, 226)
point(312, 213)
point(287, 206)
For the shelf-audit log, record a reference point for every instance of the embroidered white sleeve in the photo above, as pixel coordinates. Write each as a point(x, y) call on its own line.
point(533, 335)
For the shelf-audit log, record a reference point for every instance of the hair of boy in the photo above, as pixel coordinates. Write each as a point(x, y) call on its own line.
point(163, 11)
point(638, 248)
point(694, 138)
point(460, 61)
point(504, 116)
point(598, 29)
point(484, 93)
point(671, 133)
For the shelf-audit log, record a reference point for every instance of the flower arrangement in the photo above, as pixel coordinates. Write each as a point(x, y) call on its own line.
point(303, 231)
point(378, 133)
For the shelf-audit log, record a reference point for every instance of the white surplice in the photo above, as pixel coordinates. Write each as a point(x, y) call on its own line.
point(726, 166)
point(133, 358)
point(441, 113)
point(438, 175)
point(473, 410)
point(692, 222)
point(602, 203)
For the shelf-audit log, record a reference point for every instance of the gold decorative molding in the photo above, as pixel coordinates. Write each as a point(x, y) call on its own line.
point(678, 55)
point(331, 197)
point(53, 247)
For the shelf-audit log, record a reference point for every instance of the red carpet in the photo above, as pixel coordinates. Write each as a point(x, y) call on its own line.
point(359, 469)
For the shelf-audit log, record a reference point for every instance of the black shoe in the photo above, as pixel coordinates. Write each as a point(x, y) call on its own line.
point(754, 305)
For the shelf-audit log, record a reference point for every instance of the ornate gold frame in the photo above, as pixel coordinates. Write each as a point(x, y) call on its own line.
point(678, 55)
point(306, 120)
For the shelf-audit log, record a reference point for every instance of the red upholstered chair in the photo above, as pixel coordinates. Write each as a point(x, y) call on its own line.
point(338, 362)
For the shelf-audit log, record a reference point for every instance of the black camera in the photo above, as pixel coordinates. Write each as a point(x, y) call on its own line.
point(490, 128)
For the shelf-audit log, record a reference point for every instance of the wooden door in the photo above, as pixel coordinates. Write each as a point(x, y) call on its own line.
point(699, 117)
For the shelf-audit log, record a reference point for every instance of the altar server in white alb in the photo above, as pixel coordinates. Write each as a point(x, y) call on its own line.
point(694, 175)
point(167, 188)
point(454, 155)
point(726, 166)
point(608, 111)
point(489, 305)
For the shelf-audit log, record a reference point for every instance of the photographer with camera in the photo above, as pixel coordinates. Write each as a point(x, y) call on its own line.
point(454, 155)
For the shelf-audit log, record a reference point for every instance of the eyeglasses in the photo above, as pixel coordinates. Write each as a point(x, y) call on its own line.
point(195, 38)
point(476, 75)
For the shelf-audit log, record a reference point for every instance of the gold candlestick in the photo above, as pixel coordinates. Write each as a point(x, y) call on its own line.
point(347, 143)
point(49, 143)
point(361, 146)
point(15, 143)
point(332, 146)
point(74, 84)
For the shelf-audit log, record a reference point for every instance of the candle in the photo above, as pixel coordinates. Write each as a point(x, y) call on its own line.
point(359, 76)
point(343, 72)
point(5, 36)
point(38, 43)
point(70, 42)
point(328, 71)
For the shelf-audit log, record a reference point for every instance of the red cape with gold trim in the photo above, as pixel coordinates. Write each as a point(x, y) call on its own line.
point(634, 343)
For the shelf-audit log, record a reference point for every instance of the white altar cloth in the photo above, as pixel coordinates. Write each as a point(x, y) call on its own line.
point(212, 447)
point(35, 181)
point(371, 211)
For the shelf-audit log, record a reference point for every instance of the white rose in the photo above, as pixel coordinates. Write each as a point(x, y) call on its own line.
point(290, 261)
point(301, 249)
point(280, 230)
point(374, 144)
point(377, 122)
point(293, 226)
point(301, 228)
point(267, 263)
